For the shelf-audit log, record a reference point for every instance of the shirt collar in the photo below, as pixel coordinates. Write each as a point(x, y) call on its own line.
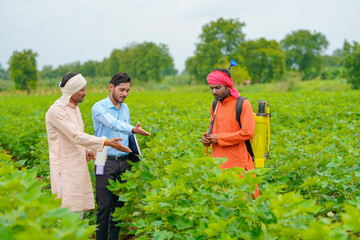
point(110, 104)
point(228, 99)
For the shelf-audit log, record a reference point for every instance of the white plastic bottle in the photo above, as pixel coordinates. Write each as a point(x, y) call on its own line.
point(100, 161)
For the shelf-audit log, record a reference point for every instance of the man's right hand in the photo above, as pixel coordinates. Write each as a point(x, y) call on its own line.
point(139, 130)
point(114, 143)
point(205, 141)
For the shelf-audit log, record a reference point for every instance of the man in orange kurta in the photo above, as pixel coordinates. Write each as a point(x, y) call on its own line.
point(226, 137)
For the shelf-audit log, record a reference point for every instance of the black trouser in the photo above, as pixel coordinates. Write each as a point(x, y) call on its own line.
point(107, 201)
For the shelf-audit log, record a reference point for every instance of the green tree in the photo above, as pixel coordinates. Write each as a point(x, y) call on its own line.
point(60, 71)
point(23, 70)
point(3, 74)
point(238, 74)
point(146, 61)
point(332, 65)
point(47, 72)
point(352, 63)
point(113, 63)
point(263, 58)
point(331, 61)
point(339, 53)
point(88, 68)
point(5, 83)
point(100, 68)
point(303, 50)
point(218, 39)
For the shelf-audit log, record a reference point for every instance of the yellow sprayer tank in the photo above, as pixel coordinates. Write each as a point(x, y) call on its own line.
point(260, 143)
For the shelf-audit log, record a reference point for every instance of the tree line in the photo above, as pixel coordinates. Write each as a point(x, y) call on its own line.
point(144, 61)
point(259, 60)
point(264, 60)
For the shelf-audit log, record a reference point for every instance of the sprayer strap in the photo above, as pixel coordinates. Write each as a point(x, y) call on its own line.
point(213, 118)
point(239, 104)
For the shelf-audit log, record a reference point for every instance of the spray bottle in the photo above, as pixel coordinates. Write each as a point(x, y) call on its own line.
point(260, 143)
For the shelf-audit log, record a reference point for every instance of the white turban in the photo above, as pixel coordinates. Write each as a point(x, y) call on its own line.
point(72, 86)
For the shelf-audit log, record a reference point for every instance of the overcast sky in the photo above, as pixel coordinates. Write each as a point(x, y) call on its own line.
point(65, 31)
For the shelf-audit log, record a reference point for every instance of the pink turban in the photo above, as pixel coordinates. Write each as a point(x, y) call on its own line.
point(219, 77)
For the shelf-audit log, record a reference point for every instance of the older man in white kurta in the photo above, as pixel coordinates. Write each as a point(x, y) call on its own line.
point(68, 146)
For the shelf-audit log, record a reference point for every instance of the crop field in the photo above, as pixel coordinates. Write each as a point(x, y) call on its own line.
point(310, 186)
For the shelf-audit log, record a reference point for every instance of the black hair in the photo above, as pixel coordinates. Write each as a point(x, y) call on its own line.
point(120, 77)
point(223, 70)
point(67, 77)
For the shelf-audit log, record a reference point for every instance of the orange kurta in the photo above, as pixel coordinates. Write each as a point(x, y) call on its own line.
point(231, 139)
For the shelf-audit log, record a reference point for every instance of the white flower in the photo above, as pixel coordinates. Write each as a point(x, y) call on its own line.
point(330, 214)
point(136, 214)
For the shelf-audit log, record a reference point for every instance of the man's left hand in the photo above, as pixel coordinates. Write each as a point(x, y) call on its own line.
point(90, 155)
point(212, 138)
point(139, 130)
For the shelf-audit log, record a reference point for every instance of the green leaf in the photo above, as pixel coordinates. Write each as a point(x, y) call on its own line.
point(33, 193)
point(180, 225)
point(160, 235)
point(333, 165)
point(123, 198)
point(157, 223)
point(56, 213)
point(215, 228)
point(140, 224)
point(146, 175)
point(351, 218)
point(5, 233)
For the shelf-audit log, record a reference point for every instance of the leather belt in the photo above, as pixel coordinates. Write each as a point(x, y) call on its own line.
point(118, 158)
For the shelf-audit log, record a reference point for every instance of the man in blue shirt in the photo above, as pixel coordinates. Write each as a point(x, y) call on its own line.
point(111, 118)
